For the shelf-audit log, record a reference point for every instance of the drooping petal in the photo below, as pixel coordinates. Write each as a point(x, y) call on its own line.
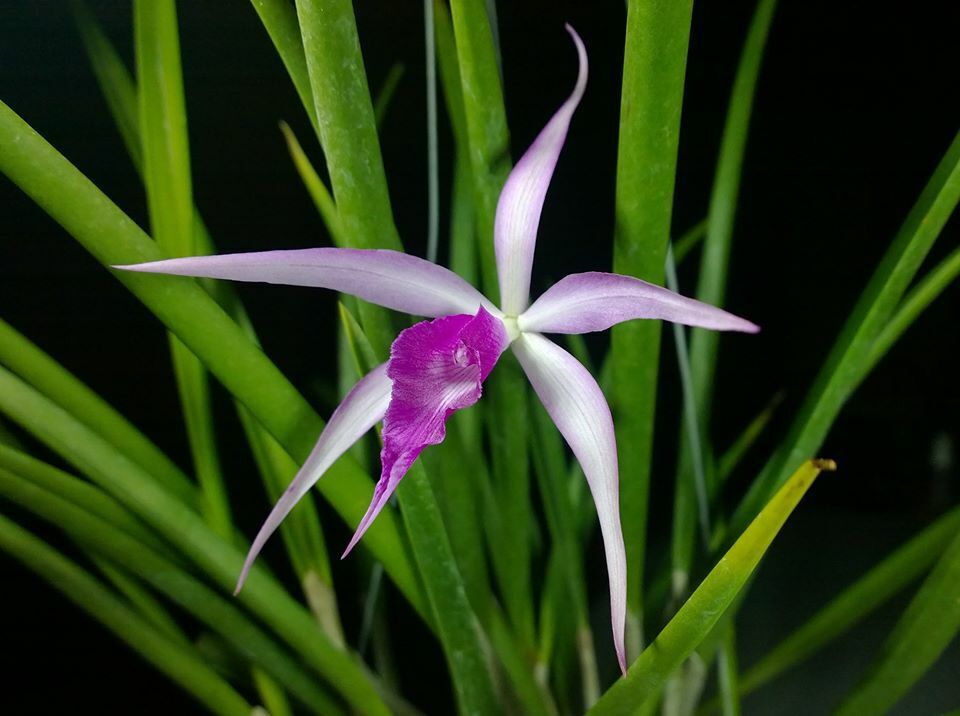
point(388, 278)
point(577, 407)
point(594, 301)
point(364, 406)
point(437, 367)
point(521, 201)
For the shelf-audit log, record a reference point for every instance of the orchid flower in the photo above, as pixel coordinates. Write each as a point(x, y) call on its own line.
point(438, 366)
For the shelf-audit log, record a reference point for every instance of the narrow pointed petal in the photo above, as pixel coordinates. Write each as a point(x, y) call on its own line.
point(437, 367)
point(388, 278)
point(521, 201)
point(577, 407)
point(594, 301)
point(363, 408)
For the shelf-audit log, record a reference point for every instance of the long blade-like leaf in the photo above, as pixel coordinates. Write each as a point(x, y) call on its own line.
point(654, 66)
point(712, 282)
point(166, 175)
point(488, 149)
point(701, 612)
point(180, 664)
point(217, 611)
point(849, 360)
point(69, 197)
point(185, 530)
point(927, 626)
point(856, 602)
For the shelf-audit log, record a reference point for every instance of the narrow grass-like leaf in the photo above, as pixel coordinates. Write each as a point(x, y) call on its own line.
point(315, 187)
point(348, 133)
point(705, 607)
point(715, 260)
point(114, 80)
point(166, 174)
point(105, 231)
point(46, 375)
point(487, 135)
point(691, 500)
point(279, 18)
point(849, 359)
point(84, 495)
point(273, 697)
point(181, 665)
point(914, 303)
point(926, 627)
point(689, 240)
point(185, 530)
point(727, 674)
point(553, 475)
point(654, 66)
point(216, 611)
point(388, 88)
point(301, 530)
point(349, 138)
point(142, 600)
point(488, 146)
point(433, 168)
point(459, 631)
point(712, 282)
point(731, 457)
point(856, 602)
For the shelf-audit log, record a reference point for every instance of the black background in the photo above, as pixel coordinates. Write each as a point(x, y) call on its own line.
point(855, 106)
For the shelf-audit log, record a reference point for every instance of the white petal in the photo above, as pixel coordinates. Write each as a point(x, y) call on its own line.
point(577, 406)
point(594, 301)
point(387, 278)
point(363, 408)
point(521, 201)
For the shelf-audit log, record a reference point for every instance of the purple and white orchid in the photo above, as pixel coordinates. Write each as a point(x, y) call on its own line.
point(437, 367)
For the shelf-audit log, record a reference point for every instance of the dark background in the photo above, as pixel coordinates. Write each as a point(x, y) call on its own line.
point(855, 106)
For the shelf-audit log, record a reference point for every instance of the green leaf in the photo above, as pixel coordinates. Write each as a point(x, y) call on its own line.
point(705, 607)
point(459, 631)
point(689, 240)
point(388, 88)
point(315, 187)
point(348, 133)
point(171, 580)
point(654, 66)
point(301, 530)
point(114, 81)
point(141, 599)
point(88, 497)
point(926, 627)
point(166, 174)
point(691, 503)
point(183, 529)
point(279, 18)
point(488, 139)
point(712, 282)
point(913, 304)
point(349, 138)
point(46, 375)
point(506, 410)
point(715, 260)
point(856, 602)
point(185, 308)
point(727, 674)
point(180, 664)
point(850, 358)
point(433, 168)
point(733, 455)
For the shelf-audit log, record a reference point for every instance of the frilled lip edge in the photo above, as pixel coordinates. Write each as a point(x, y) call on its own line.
point(437, 367)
